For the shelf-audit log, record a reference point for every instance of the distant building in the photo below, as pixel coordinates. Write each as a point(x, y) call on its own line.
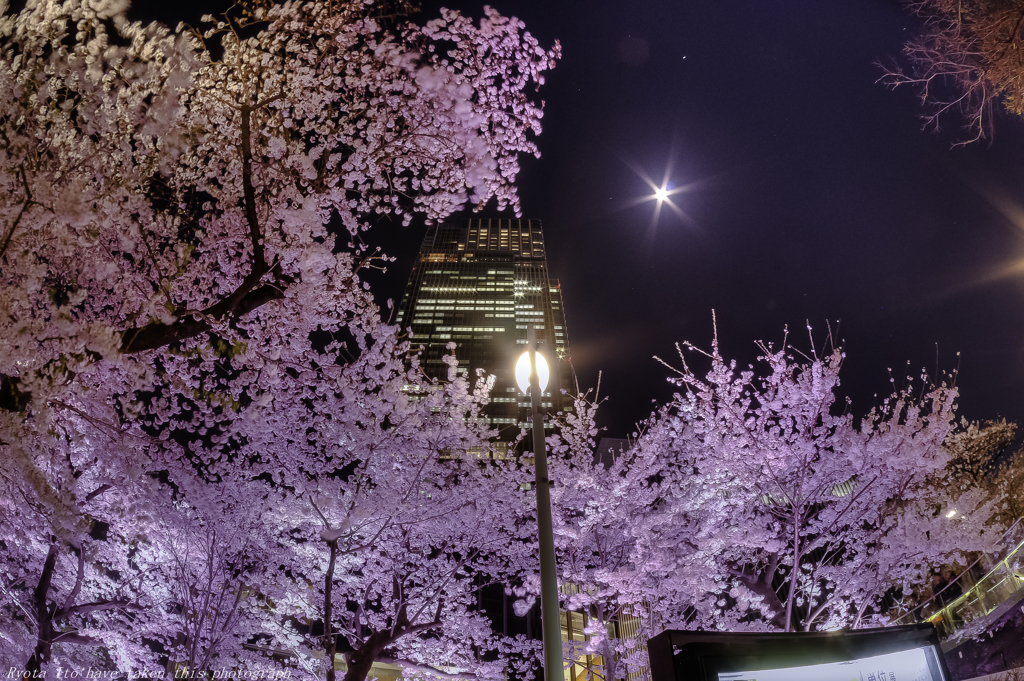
point(479, 284)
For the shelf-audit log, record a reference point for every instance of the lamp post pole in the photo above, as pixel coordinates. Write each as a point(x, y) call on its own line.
point(551, 631)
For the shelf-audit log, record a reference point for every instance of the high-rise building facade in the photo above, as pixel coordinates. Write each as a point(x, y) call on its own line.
point(479, 284)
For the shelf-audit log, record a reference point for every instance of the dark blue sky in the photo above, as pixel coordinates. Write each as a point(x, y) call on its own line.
point(817, 198)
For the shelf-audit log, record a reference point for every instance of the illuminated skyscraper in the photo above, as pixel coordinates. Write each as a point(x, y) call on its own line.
point(478, 284)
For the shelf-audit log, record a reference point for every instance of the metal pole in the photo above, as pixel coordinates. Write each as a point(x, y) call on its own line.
point(552, 624)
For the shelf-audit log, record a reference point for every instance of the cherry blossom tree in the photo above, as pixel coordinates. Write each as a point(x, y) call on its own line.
point(824, 515)
point(753, 500)
point(355, 509)
point(161, 184)
point(386, 525)
point(77, 580)
point(600, 511)
point(173, 284)
point(217, 568)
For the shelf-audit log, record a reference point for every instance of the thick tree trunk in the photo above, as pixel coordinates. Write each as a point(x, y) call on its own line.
point(44, 637)
point(359, 661)
point(41, 655)
point(763, 587)
point(46, 617)
point(773, 565)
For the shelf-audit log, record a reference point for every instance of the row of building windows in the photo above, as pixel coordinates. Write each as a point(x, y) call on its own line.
point(486, 279)
point(449, 336)
point(428, 315)
point(463, 306)
point(452, 289)
point(481, 287)
point(463, 301)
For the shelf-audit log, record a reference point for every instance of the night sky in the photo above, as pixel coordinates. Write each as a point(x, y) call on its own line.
point(814, 196)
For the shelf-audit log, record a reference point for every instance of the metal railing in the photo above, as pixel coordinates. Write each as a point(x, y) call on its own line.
point(1003, 582)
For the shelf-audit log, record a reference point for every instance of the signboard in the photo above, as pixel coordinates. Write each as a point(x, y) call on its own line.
point(909, 653)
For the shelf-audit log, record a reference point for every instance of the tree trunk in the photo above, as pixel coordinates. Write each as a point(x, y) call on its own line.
point(359, 661)
point(330, 643)
point(763, 587)
point(769, 573)
point(44, 637)
point(794, 574)
point(861, 609)
point(610, 663)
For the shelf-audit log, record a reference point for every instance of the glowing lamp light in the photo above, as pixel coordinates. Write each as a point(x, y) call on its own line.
point(951, 513)
point(661, 194)
point(523, 372)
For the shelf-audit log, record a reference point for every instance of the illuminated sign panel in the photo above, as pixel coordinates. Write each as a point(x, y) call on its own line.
point(905, 665)
point(910, 653)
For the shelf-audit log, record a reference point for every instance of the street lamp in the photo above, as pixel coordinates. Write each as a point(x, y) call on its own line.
point(532, 372)
point(524, 369)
